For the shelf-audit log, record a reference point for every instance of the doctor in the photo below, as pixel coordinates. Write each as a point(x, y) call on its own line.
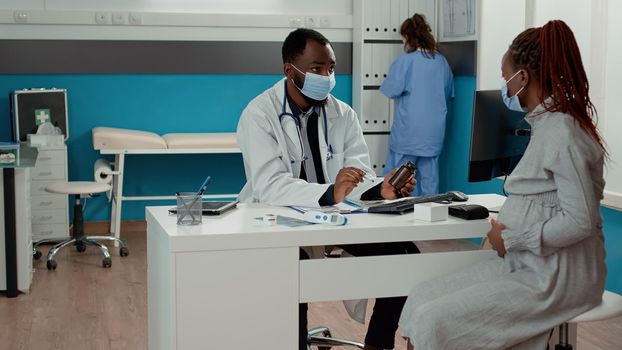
point(302, 146)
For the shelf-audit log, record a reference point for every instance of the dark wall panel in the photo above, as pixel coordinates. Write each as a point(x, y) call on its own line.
point(149, 57)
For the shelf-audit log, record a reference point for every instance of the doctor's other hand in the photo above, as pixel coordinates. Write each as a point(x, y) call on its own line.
point(389, 192)
point(495, 238)
point(346, 180)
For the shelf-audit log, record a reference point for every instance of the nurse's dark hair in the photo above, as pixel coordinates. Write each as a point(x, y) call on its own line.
point(295, 43)
point(551, 56)
point(418, 35)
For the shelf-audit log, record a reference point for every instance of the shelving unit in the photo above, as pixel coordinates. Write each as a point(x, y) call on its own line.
point(376, 44)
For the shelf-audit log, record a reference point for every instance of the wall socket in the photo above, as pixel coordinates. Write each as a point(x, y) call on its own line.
point(296, 22)
point(102, 17)
point(312, 22)
point(135, 18)
point(20, 16)
point(118, 18)
point(325, 22)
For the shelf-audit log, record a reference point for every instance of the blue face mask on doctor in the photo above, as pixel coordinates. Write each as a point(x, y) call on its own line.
point(511, 102)
point(316, 86)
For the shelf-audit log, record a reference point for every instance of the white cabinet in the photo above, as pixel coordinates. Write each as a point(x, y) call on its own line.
point(22, 230)
point(376, 115)
point(378, 145)
point(459, 20)
point(50, 212)
point(376, 44)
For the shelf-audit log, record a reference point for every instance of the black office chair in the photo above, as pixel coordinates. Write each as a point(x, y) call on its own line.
point(322, 339)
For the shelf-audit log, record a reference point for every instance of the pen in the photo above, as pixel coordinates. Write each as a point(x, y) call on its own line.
point(199, 194)
point(204, 186)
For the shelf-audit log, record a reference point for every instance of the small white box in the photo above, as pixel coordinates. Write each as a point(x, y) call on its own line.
point(431, 211)
point(35, 140)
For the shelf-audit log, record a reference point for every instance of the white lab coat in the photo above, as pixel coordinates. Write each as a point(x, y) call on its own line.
point(271, 177)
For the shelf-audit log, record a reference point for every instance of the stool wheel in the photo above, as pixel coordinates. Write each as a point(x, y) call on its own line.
point(123, 251)
point(107, 262)
point(37, 255)
point(326, 333)
point(51, 264)
point(80, 247)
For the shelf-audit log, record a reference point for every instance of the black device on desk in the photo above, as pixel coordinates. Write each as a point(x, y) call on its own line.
point(404, 205)
point(468, 211)
point(213, 208)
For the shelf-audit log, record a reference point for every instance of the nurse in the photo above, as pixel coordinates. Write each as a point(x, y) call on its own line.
point(302, 146)
point(421, 83)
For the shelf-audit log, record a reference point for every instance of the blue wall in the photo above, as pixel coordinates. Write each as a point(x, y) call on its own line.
point(157, 103)
point(213, 103)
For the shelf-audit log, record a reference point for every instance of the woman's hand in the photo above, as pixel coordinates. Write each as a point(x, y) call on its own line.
point(389, 192)
point(495, 239)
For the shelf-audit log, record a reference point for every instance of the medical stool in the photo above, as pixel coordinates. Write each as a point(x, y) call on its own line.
point(325, 341)
point(611, 307)
point(78, 188)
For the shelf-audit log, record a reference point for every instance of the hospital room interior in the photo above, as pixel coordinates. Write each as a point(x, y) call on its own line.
point(328, 174)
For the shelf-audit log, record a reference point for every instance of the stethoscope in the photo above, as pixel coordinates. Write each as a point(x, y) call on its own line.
point(285, 113)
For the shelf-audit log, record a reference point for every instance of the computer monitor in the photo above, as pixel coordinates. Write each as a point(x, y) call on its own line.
point(499, 137)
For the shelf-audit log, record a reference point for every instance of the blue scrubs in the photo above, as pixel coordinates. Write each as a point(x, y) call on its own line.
point(421, 87)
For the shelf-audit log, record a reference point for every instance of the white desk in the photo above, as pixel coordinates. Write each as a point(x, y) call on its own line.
point(234, 283)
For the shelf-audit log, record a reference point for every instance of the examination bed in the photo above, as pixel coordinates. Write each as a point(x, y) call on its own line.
point(119, 142)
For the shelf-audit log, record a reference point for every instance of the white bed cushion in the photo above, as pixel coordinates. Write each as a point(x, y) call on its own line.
point(200, 141)
point(116, 138)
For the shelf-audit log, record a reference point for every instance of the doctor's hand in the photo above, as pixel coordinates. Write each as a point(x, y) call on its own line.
point(346, 180)
point(389, 192)
point(495, 238)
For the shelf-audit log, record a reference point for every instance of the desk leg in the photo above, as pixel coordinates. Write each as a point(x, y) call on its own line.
point(117, 203)
point(10, 238)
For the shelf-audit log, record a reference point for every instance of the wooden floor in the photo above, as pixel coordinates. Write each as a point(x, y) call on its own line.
point(84, 306)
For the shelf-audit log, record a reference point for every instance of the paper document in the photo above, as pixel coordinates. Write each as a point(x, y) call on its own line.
point(345, 207)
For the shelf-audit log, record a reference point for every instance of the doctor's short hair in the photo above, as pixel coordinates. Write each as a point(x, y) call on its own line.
point(295, 43)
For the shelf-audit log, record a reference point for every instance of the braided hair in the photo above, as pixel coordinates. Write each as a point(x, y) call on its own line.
point(418, 35)
point(551, 56)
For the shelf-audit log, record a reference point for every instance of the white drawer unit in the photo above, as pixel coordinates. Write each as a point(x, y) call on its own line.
point(50, 212)
point(49, 231)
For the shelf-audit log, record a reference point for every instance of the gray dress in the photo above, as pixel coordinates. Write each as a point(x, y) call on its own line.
point(554, 268)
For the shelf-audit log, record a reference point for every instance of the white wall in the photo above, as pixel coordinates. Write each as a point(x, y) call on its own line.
point(596, 26)
point(258, 20)
point(343, 7)
point(611, 113)
point(500, 21)
point(576, 13)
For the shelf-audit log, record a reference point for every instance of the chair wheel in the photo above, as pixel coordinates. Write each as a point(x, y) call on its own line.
point(107, 262)
point(80, 247)
point(325, 334)
point(37, 255)
point(123, 251)
point(51, 264)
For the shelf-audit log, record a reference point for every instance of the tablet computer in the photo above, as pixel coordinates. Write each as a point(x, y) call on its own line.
point(213, 207)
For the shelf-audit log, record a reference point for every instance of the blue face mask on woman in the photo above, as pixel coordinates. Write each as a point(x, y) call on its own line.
point(316, 86)
point(511, 102)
